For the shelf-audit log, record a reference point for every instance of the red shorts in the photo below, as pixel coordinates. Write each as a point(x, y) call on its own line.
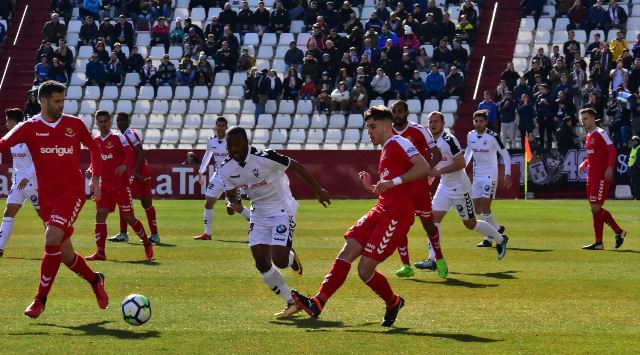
point(422, 201)
point(598, 190)
point(62, 210)
point(112, 195)
point(379, 232)
point(141, 189)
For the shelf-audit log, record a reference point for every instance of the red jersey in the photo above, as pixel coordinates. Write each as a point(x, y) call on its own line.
point(601, 153)
point(114, 151)
point(395, 160)
point(133, 139)
point(419, 137)
point(55, 149)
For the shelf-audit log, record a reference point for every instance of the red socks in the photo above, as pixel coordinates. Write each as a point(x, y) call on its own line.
point(403, 250)
point(80, 267)
point(601, 217)
point(139, 229)
point(379, 284)
point(435, 244)
point(123, 223)
point(334, 279)
point(608, 219)
point(101, 236)
point(151, 218)
point(49, 269)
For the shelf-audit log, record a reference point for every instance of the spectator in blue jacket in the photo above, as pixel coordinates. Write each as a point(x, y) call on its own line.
point(434, 83)
point(90, 7)
point(532, 8)
point(526, 114)
point(598, 17)
point(41, 70)
point(374, 22)
point(492, 110)
point(95, 71)
point(387, 34)
point(398, 87)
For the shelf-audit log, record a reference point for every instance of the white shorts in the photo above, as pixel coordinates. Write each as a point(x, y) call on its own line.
point(215, 187)
point(484, 188)
point(272, 231)
point(444, 199)
point(18, 196)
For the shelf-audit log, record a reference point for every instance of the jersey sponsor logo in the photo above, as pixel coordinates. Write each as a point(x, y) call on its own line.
point(69, 132)
point(369, 247)
point(59, 151)
point(384, 173)
point(361, 221)
point(109, 145)
point(58, 219)
point(106, 156)
point(256, 172)
point(43, 134)
point(591, 151)
point(19, 155)
point(281, 229)
point(487, 188)
point(412, 150)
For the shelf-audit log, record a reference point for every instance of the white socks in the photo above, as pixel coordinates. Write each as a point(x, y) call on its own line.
point(292, 257)
point(489, 219)
point(274, 279)
point(246, 213)
point(5, 231)
point(208, 220)
point(486, 229)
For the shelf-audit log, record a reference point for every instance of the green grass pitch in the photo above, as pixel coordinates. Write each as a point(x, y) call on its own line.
point(546, 296)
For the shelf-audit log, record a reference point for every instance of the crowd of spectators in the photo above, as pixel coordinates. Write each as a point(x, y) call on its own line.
point(549, 94)
point(343, 66)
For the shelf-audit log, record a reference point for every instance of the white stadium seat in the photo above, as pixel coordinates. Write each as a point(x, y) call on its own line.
point(232, 106)
point(192, 121)
point(319, 121)
point(278, 136)
point(300, 121)
point(146, 93)
point(260, 136)
point(214, 106)
point(355, 121)
point(351, 135)
point(247, 121)
point(271, 107)
point(218, 92)
point(151, 136)
point(305, 107)
point(200, 93)
point(188, 136)
point(71, 107)
point(315, 136)
point(87, 106)
point(174, 121)
point(92, 93)
point(107, 105)
point(264, 121)
point(74, 93)
point(297, 135)
point(164, 93)
point(138, 121)
point(449, 105)
point(282, 121)
point(337, 120)
point(182, 93)
point(156, 121)
point(334, 136)
point(197, 107)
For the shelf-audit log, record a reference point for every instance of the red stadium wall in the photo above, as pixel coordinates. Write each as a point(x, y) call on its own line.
point(337, 171)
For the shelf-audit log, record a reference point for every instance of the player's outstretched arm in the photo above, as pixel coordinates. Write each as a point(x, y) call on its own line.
point(506, 158)
point(419, 170)
point(321, 194)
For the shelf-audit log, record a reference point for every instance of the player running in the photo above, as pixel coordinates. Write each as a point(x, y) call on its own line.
point(273, 208)
point(141, 182)
point(216, 148)
point(54, 142)
point(454, 189)
point(483, 145)
point(600, 162)
point(374, 237)
point(114, 185)
point(422, 140)
point(24, 187)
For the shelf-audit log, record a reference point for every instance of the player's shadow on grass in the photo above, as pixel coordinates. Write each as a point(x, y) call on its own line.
point(531, 250)
point(231, 241)
point(504, 275)
point(309, 323)
point(161, 245)
point(97, 328)
point(17, 258)
point(456, 282)
point(464, 338)
point(625, 251)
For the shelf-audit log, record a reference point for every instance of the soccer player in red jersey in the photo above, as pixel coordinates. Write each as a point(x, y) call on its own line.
point(600, 162)
point(422, 140)
point(54, 139)
point(141, 182)
point(114, 185)
point(373, 237)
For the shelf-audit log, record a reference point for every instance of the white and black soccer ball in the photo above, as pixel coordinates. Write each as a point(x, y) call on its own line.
point(136, 309)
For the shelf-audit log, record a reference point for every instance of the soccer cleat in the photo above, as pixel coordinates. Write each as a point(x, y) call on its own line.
point(501, 229)
point(443, 269)
point(97, 256)
point(426, 264)
point(296, 267)
point(148, 251)
point(484, 244)
point(392, 313)
point(203, 236)
point(619, 239)
point(289, 310)
point(405, 271)
point(311, 305)
point(120, 237)
point(594, 246)
point(502, 247)
point(35, 309)
point(99, 291)
point(154, 238)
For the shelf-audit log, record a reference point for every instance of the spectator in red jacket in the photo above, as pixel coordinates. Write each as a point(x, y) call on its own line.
point(160, 34)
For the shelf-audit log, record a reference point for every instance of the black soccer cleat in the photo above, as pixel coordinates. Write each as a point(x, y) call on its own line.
point(594, 246)
point(392, 313)
point(620, 238)
point(484, 244)
point(501, 229)
point(310, 305)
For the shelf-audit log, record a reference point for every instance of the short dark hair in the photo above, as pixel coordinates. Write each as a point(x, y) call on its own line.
point(481, 113)
point(400, 103)
point(437, 113)
point(49, 87)
point(102, 113)
point(589, 111)
point(221, 119)
point(122, 114)
point(14, 114)
point(237, 130)
point(378, 113)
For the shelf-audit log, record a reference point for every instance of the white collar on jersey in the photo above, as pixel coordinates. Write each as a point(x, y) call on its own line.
point(388, 140)
point(105, 137)
point(39, 117)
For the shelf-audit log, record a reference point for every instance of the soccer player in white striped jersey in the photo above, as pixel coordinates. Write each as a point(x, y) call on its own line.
point(484, 145)
point(216, 149)
point(454, 189)
point(25, 185)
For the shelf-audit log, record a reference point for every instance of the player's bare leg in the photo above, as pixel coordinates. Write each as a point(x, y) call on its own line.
point(150, 211)
point(600, 217)
point(267, 260)
point(10, 212)
point(78, 265)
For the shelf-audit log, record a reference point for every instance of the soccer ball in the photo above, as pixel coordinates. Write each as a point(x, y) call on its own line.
point(136, 309)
